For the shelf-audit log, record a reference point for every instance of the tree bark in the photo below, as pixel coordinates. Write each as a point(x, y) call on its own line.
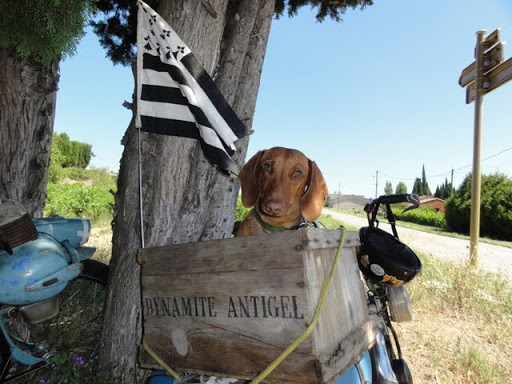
point(28, 94)
point(184, 198)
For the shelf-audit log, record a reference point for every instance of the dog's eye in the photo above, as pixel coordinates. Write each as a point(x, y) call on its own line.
point(267, 167)
point(297, 173)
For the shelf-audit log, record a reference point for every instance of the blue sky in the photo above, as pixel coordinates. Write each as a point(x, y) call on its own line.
point(377, 92)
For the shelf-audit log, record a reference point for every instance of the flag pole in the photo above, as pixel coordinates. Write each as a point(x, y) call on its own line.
point(138, 124)
point(141, 205)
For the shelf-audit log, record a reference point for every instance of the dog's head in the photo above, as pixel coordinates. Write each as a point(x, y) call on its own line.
point(284, 185)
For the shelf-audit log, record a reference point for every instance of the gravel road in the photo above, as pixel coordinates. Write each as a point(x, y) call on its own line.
point(491, 257)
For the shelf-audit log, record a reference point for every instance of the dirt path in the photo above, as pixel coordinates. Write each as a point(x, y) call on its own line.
point(491, 257)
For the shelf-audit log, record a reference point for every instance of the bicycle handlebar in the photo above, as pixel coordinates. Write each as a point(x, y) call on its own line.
point(393, 199)
point(372, 207)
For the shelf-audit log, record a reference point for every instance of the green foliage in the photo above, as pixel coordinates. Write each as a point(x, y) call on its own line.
point(420, 186)
point(458, 207)
point(73, 190)
point(333, 9)
point(67, 153)
point(43, 30)
point(424, 215)
point(401, 188)
point(388, 189)
point(495, 207)
point(117, 30)
point(240, 211)
point(78, 200)
point(424, 183)
point(444, 191)
point(417, 187)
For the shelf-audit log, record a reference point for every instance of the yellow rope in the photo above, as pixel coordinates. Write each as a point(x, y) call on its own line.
point(296, 342)
point(153, 354)
point(311, 327)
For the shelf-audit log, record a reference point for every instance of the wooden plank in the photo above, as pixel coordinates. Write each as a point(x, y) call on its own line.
point(221, 255)
point(343, 300)
point(248, 253)
point(221, 356)
point(360, 339)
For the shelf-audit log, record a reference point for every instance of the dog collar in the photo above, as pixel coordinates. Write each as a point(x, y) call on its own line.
point(269, 227)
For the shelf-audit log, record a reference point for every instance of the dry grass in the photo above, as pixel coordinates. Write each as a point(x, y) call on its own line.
point(101, 238)
point(461, 332)
point(462, 326)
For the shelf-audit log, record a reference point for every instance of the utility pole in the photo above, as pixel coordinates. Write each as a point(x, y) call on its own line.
point(376, 183)
point(486, 73)
point(451, 185)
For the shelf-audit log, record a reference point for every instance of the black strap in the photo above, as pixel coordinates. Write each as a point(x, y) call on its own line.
point(372, 218)
point(391, 219)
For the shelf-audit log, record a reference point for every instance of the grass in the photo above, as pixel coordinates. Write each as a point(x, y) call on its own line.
point(462, 327)
point(330, 222)
point(101, 238)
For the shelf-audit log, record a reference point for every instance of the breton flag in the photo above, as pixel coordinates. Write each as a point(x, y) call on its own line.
point(177, 97)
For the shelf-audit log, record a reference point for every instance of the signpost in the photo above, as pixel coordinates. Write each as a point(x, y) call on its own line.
point(486, 73)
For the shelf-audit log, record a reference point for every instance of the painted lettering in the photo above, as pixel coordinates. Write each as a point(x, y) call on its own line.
point(263, 307)
point(244, 307)
point(202, 312)
point(276, 309)
point(254, 300)
point(149, 307)
point(186, 306)
point(284, 306)
point(180, 306)
point(175, 308)
point(211, 307)
point(296, 309)
point(165, 306)
point(231, 308)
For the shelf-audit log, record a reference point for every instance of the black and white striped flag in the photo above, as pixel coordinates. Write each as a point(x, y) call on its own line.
point(177, 97)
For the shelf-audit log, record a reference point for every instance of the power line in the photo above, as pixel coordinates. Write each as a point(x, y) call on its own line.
point(450, 171)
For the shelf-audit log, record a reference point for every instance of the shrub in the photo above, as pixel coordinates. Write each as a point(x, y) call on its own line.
point(68, 153)
point(495, 207)
point(424, 215)
point(78, 200)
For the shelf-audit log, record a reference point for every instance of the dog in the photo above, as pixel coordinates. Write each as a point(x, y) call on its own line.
point(284, 187)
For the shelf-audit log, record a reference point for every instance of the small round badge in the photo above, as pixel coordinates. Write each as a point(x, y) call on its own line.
point(377, 269)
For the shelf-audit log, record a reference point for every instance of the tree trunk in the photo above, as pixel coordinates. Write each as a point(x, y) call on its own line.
point(184, 198)
point(27, 109)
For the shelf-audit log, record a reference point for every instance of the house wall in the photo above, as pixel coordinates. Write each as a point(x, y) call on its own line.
point(437, 204)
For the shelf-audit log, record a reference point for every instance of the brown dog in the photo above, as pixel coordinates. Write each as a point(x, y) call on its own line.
point(285, 188)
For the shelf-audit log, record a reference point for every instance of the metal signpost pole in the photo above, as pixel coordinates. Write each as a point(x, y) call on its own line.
point(477, 139)
point(485, 74)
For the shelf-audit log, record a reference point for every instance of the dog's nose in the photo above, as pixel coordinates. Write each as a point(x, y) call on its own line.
point(273, 207)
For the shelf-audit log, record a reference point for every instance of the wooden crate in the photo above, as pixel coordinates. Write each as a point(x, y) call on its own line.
point(229, 307)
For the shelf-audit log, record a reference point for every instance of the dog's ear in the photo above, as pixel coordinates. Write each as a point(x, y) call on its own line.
point(249, 177)
point(313, 200)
